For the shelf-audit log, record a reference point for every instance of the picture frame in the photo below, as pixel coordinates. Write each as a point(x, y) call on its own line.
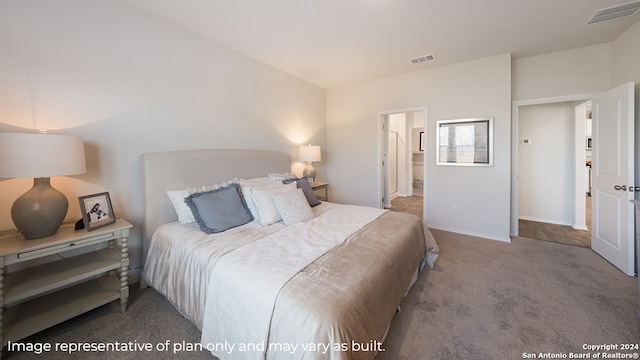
point(97, 210)
point(465, 142)
point(421, 148)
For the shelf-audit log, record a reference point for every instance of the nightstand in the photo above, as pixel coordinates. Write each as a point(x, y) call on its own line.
point(44, 295)
point(321, 186)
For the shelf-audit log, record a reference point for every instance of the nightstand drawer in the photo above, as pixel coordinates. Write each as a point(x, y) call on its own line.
point(32, 254)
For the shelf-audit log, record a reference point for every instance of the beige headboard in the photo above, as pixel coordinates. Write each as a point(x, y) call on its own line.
point(177, 170)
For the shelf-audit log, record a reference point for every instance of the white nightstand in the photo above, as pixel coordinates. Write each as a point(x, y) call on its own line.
point(41, 296)
point(321, 186)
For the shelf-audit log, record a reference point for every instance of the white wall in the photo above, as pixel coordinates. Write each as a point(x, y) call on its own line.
point(546, 164)
point(398, 123)
point(129, 84)
point(576, 71)
point(626, 50)
point(480, 196)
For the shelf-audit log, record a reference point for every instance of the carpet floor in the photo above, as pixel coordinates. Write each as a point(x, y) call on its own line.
point(484, 299)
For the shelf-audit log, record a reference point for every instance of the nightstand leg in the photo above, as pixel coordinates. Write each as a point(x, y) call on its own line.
point(124, 273)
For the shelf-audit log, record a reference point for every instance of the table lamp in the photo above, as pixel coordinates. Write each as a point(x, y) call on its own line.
point(40, 211)
point(309, 154)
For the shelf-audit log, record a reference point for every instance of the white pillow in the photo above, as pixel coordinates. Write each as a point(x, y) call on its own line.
point(246, 194)
point(263, 202)
point(247, 184)
point(293, 207)
point(185, 216)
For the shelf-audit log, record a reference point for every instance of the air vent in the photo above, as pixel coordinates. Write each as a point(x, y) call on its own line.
point(422, 59)
point(615, 12)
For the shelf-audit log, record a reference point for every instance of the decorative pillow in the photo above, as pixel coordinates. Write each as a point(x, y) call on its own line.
point(306, 189)
point(293, 207)
point(203, 188)
point(263, 203)
point(185, 216)
point(274, 177)
point(220, 209)
point(255, 182)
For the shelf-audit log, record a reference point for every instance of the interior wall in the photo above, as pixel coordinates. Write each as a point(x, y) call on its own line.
point(546, 163)
point(626, 50)
point(415, 122)
point(575, 71)
point(398, 123)
point(129, 83)
point(458, 197)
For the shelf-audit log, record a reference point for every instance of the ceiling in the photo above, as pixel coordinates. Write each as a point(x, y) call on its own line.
point(333, 43)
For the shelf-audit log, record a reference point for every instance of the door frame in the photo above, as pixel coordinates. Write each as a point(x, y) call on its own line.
point(515, 141)
point(383, 127)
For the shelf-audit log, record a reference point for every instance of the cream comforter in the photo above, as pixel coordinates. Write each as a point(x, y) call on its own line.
point(334, 299)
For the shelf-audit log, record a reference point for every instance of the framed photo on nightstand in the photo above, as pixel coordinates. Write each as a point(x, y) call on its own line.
point(97, 210)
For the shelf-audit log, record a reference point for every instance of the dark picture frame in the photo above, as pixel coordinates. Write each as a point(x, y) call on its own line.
point(97, 210)
point(421, 148)
point(465, 142)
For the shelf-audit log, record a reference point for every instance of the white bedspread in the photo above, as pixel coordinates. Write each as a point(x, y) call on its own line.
point(244, 283)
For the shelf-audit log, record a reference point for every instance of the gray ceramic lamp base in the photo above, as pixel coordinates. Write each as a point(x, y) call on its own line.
point(309, 172)
point(40, 211)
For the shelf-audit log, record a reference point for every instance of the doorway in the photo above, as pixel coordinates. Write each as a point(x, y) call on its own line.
point(553, 171)
point(402, 171)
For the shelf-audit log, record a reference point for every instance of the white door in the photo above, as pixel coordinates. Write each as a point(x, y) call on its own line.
point(612, 235)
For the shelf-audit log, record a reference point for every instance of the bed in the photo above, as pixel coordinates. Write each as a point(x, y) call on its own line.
point(324, 287)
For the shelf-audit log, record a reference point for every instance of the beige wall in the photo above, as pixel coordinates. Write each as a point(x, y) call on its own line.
point(480, 196)
point(129, 84)
point(626, 50)
point(576, 71)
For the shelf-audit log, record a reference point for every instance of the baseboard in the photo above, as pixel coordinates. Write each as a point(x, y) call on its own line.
point(469, 233)
point(135, 275)
point(543, 220)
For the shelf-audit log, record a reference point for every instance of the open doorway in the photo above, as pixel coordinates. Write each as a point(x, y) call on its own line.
point(553, 175)
point(402, 171)
point(613, 147)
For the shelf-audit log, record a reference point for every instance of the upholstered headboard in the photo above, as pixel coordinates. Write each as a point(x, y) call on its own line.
point(178, 170)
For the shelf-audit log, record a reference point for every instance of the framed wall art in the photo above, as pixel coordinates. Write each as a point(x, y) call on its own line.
point(465, 142)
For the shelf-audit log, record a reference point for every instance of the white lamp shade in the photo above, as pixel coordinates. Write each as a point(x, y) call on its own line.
point(309, 153)
point(25, 155)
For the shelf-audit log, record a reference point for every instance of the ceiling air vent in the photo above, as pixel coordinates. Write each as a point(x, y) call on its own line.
point(422, 59)
point(615, 12)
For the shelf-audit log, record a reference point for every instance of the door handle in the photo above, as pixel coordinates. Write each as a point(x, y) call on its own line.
point(624, 188)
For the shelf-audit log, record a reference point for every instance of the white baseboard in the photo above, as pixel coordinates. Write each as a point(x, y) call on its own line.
point(548, 221)
point(458, 231)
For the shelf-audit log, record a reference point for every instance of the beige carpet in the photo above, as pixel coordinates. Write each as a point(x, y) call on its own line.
point(484, 300)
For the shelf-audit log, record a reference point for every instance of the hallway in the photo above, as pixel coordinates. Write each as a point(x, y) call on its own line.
point(560, 234)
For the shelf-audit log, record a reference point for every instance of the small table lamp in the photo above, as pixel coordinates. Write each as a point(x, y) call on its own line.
point(40, 211)
point(309, 154)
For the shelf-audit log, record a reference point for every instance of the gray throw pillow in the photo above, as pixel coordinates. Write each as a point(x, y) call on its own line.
point(220, 209)
point(303, 184)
